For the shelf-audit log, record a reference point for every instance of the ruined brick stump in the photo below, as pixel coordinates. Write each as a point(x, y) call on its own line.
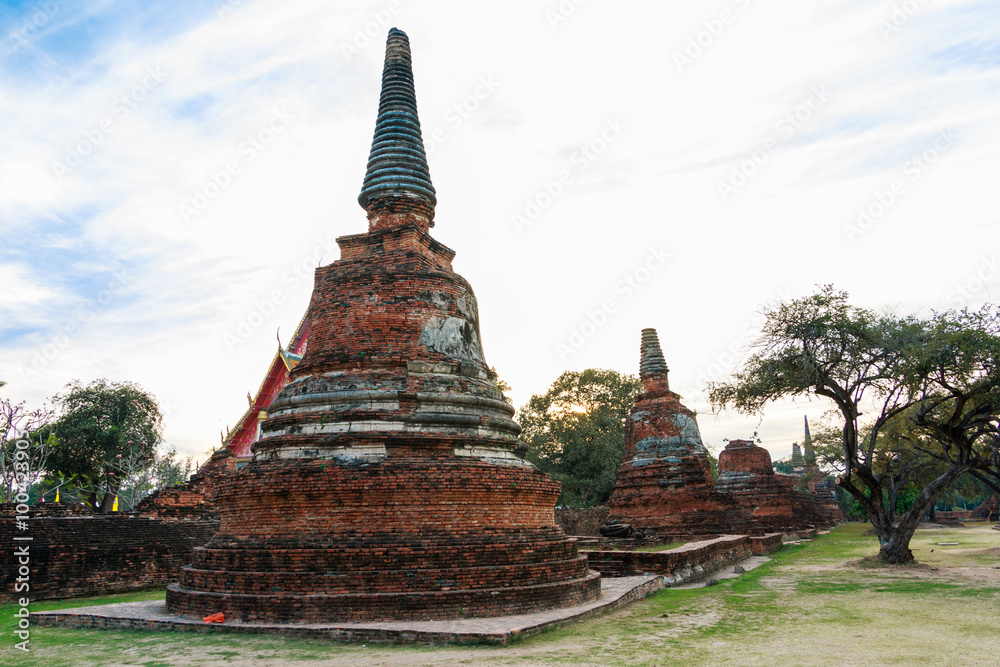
point(746, 474)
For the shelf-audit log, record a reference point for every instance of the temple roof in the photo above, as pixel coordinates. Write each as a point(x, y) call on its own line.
point(397, 164)
point(283, 357)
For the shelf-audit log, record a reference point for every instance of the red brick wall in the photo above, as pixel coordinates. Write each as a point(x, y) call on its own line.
point(97, 555)
point(193, 499)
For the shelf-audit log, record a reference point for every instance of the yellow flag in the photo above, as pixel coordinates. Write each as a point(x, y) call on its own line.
point(114, 508)
point(57, 495)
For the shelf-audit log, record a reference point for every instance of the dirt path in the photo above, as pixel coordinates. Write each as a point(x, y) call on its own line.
point(807, 607)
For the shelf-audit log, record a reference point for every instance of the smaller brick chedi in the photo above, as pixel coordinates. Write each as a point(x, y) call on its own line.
point(389, 481)
point(664, 484)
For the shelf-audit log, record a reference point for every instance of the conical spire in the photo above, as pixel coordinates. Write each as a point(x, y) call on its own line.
point(398, 180)
point(651, 361)
point(807, 445)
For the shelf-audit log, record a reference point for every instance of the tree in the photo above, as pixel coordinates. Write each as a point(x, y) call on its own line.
point(896, 459)
point(21, 466)
point(139, 478)
point(498, 382)
point(576, 431)
point(105, 433)
point(783, 466)
point(941, 375)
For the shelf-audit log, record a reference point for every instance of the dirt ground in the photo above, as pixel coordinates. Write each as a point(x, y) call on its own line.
point(811, 605)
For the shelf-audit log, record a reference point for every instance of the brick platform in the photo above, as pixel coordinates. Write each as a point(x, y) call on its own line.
point(153, 615)
point(691, 561)
point(389, 481)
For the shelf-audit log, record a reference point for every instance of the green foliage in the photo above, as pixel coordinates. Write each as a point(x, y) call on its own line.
point(713, 464)
point(106, 432)
point(21, 467)
point(783, 466)
point(906, 497)
point(930, 388)
point(575, 431)
point(143, 478)
point(498, 382)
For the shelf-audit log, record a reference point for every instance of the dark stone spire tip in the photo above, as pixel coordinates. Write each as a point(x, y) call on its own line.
point(651, 361)
point(397, 165)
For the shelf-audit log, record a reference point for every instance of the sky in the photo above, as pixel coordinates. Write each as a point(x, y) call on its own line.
point(171, 173)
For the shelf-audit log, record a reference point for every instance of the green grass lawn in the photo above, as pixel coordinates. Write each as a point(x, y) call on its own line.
point(807, 606)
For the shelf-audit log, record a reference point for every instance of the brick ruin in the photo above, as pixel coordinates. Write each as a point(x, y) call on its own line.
point(693, 560)
point(807, 476)
point(988, 510)
point(389, 480)
point(77, 553)
point(193, 499)
point(745, 474)
point(664, 485)
point(774, 501)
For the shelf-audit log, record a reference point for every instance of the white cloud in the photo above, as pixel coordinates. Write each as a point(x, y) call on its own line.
point(223, 78)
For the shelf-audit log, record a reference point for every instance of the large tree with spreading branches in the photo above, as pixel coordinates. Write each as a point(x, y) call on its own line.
point(935, 380)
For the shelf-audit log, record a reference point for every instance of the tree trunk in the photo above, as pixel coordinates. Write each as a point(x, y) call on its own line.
point(895, 548)
point(895, 539)
point(896, 551)
point(107, 502)
point(109, 496)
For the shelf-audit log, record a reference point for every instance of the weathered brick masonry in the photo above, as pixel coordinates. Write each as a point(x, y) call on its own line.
point(73, 556)
point(987, 510)
point(74, 553)
point(389, 481)
point(664, 485)
point(193, 499)
point(745, 473)
point(691, 561)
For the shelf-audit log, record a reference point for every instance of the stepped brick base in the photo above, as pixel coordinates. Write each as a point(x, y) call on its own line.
point(314, 540)
point(691, 561)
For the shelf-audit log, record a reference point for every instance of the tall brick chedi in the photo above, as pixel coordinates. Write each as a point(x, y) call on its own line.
point(389, 481)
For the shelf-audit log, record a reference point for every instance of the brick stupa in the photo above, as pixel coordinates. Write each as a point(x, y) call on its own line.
point(664, 485)
point(389, 481)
